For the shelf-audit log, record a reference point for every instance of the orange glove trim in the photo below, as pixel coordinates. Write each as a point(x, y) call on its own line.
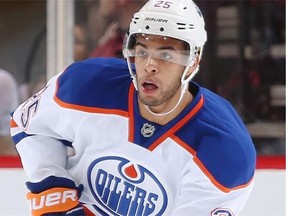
point(52, 200)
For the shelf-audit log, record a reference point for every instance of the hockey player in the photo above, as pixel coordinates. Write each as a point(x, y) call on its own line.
point(95, 142)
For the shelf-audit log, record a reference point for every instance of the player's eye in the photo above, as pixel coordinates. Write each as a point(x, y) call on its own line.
point(141, 53)
point(164, 55)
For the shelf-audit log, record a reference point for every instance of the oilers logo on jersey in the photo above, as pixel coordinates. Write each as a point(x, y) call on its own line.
point(125, 188)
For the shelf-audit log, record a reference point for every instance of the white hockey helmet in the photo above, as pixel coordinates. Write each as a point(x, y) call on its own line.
point(179, 19)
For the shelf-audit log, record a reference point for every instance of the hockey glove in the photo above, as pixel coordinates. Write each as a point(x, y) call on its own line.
point(55, 196)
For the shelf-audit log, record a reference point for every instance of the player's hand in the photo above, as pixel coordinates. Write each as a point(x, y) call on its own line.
point(55, 196)
point(76, 211)
point(55, 201)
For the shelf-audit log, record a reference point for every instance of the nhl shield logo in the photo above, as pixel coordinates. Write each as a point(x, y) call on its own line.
point(147, 130)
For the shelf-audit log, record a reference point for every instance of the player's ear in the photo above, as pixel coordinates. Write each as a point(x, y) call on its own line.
point(194, 66)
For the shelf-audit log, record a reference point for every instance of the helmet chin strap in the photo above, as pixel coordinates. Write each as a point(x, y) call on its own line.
point(183, 90)
point(184, 87)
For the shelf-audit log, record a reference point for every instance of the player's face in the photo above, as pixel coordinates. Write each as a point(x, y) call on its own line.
point(158, 69)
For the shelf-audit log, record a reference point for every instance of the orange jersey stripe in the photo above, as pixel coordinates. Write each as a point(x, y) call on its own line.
point(203, 168)
point(131, 113)
point(183, 145)
point(90, 109)
point(179, 124)
point(214, 181)
point(13, 124)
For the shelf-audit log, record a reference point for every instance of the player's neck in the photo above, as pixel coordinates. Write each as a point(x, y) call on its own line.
point(164, 119)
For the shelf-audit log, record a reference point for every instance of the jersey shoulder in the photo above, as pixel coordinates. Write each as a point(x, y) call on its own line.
point(95, 83)
point(221, 142)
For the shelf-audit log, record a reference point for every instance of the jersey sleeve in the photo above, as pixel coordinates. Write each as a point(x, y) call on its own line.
point(41, 132)
point(48, 122)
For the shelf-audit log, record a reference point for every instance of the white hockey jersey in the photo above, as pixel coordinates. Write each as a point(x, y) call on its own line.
point(201, 163)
